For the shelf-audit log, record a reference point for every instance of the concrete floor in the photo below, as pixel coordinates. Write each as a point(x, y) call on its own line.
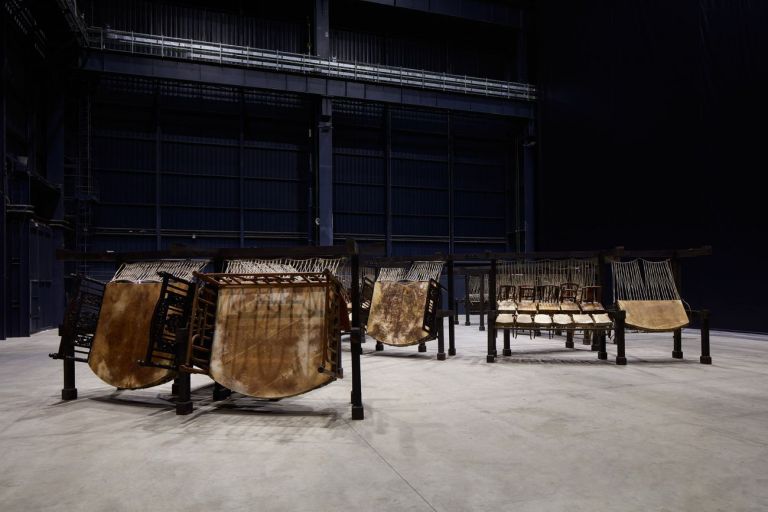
point(544, 430)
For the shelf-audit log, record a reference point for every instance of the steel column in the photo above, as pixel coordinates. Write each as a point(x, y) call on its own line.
point(55, 174)
point(321, 35)
point(491, 312)
point(158, 166)
point(451, 303)
point(355, 338)
point(4, 302)
point(528, 187)
point(451, 219)
point(388, 178)
point(241, 168)
point(324, 159)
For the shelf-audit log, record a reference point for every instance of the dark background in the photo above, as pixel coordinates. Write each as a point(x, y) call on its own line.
point(652, 135)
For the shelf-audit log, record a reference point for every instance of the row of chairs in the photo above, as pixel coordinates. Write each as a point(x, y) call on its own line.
point(548, 307)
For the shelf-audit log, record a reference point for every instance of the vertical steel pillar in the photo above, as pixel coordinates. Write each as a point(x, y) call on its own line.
point(321, 35)
point(158, 177)
point(388, 178)
point(324, 158)
point(451, 206)
point(241, 168)
point(491, 357)
point(55, 172)
point(324, 140)
point(355, 338)
point(4, 189)
point(529, 153)
point(451, 304)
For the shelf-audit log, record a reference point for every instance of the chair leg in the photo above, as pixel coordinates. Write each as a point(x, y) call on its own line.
point(705, 356)
point(507, 348)
point(677, 350)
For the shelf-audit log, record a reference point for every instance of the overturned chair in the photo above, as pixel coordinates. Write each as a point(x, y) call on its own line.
point(475, 300)
point(109, 325)
point(647, 299)
point(266, 335)
point(405, 307)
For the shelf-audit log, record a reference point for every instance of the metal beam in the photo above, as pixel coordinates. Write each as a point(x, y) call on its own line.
point(105, 62)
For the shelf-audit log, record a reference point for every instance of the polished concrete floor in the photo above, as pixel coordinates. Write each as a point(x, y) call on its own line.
point(543, 430)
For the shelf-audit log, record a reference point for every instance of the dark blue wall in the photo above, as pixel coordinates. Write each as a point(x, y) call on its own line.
point(648, 138)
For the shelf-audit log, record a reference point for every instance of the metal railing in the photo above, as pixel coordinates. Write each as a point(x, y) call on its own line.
point(275, 60)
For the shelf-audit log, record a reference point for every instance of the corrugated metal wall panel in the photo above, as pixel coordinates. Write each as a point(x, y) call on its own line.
point(199, 219)
point(278, 27)
point(484, 169)
point(124, 216)
point(201, 242)
point(197, 135)
point(265, 221)
point(418, 248)
point(420, 173)
point(275, 163)
point(359, 169)
point(114, 153)
point(369, 33)
point(355, 46)
point(117, 243)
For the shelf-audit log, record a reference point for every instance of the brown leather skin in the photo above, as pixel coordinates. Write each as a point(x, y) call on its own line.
point(122, 335)
point(397, 313)
point(269, 342)
point(654, 315)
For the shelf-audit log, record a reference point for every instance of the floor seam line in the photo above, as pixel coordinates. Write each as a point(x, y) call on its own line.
point(384, 459)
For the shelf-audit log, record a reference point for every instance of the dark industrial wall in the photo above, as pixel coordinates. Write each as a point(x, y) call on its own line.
point(648, 138)
point(30, 215)
point(176, 163)
point(117, 162)
point(448, 181)
point(368, 33)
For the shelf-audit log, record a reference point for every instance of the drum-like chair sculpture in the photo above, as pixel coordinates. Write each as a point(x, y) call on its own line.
point(109, 326)
point(268, 335)
point(648, 300)
point(404, 306)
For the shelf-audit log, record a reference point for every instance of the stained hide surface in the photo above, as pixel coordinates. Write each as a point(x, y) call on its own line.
point(122, 336)
point(654, 315)
point(397, 312)
point(269, 341)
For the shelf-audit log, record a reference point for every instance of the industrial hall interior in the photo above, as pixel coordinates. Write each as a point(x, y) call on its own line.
point(383, 255)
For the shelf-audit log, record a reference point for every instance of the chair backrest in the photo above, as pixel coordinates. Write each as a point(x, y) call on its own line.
point(526, 293)
point(569, 292)
point(547, 293)
point(591, 294)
